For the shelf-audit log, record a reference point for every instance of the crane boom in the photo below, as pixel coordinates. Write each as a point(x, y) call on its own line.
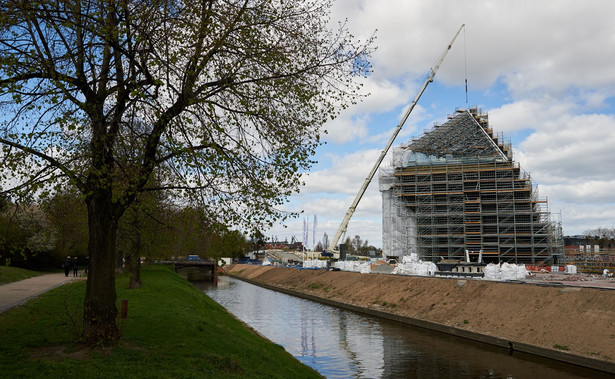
point(344, 225)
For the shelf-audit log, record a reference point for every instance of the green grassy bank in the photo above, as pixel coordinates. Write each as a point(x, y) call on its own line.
point(172, 331)
point(12, 274)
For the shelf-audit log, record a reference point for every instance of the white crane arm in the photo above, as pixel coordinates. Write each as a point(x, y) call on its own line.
point(344, 225)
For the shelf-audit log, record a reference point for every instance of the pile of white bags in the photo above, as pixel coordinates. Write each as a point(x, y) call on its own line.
point(412, 265)
point(492, 272)
point(354, 266)
point(505, 271)
point(570, 269)
point(314, 263)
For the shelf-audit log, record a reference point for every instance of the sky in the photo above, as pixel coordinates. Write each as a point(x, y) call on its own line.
point(544, 71)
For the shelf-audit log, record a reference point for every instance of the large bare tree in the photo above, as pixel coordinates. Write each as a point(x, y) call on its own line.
point(226, 97)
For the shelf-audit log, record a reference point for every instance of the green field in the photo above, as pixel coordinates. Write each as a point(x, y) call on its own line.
point(173, 330)
point(12, 274)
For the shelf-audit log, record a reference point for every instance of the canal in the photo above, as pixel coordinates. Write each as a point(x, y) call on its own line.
point(343, 344)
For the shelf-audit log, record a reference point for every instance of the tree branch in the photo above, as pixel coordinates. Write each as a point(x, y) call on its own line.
point(189, 149)
point(52, 161)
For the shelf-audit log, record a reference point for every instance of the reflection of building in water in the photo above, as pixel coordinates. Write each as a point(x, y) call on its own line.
point(362, 342)
point(196, 274)
point(308, 335)
point(457, 188)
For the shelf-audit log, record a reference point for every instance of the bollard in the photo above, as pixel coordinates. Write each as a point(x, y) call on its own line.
point(124, 309)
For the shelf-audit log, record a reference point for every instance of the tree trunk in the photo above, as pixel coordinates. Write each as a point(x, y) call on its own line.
point(100, 311)
point(135, 252)
point(135, 272)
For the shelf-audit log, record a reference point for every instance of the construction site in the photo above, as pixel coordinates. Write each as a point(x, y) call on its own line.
point(456, 192)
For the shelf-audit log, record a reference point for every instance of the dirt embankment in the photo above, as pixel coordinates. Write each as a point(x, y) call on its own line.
point(577, 320)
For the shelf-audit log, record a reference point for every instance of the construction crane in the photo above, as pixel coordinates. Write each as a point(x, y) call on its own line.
point(344, 225)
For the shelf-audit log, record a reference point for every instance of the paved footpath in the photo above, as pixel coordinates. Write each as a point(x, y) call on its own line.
point(16, 293)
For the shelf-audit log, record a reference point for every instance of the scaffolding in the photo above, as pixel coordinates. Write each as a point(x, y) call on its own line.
point(457, 188)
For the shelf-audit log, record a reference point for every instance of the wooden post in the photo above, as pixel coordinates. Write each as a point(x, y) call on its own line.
point(124, 309)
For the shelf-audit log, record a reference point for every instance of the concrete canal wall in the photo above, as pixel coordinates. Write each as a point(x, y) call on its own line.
point(571, 324)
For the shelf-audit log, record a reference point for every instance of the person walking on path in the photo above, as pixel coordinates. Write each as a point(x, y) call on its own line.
point(75, 267)
point(67, 265)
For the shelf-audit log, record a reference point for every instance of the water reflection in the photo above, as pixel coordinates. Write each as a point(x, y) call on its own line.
point(343, 344)
point(196, 274)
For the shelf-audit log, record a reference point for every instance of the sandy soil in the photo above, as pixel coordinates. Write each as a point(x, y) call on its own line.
point(579, 320)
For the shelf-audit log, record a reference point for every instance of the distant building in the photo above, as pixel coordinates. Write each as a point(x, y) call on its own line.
point(588, 245)
point(457, 188)
point(575, 243)
point(285, 245)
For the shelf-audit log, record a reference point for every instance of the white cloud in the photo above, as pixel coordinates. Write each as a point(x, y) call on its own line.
point(582, 193)
point(527, 114)
point(346, 128)
point(345, 175)
point(384, 96)
point(532, 45)
point(571, 149)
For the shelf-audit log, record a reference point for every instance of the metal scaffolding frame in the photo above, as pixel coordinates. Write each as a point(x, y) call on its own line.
point(457, 188)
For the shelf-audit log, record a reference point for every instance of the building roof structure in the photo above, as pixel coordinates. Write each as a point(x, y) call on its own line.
point(464, 135)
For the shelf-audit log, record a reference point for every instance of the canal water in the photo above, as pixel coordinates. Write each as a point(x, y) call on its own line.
point(343, 344)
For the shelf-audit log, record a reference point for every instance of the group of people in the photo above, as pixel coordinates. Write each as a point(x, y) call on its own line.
point(73, 264)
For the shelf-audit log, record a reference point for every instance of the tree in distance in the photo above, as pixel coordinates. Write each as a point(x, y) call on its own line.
point(223, 102)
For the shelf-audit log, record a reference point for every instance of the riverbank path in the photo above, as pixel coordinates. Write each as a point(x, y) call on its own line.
point(16, 293)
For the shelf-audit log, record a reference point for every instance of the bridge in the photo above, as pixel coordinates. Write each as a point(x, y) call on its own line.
point(207, 264)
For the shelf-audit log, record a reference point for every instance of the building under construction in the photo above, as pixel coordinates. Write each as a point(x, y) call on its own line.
point(457, 188)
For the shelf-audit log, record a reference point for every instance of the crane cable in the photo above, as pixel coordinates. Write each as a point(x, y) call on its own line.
point(465, 62)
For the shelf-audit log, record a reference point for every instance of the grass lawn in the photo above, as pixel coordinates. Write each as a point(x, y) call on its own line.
point(173, 330)
point(13, 274)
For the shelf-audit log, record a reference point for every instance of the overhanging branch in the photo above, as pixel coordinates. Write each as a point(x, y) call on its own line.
point(52, 161)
